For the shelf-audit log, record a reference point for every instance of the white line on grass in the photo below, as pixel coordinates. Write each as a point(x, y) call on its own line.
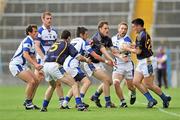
point(160, 109)
point(164, 111)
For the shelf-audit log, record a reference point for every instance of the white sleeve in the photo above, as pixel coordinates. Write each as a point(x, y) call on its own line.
point(77, 45)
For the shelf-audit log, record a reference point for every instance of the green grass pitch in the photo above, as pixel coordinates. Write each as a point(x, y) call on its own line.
point(12, 97)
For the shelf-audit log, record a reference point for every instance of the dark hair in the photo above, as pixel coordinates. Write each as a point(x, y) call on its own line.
point(101, 23)
point(30, 27)
point(65, 34)
point(80, 30)
point(138, 21)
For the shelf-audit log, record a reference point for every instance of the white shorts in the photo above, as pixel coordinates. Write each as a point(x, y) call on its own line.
point(73, 71)
point(125, 69)
point(90, 68)
point(142, 66)
point(16, 68)
point(53, 71)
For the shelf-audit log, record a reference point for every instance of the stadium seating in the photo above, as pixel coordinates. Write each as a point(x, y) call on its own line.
point(67, 15)
point(167, 26)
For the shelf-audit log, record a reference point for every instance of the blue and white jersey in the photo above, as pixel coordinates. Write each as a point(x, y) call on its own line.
point(47, 37)
point(82, 47)
point(118, 42)
point(26, 45)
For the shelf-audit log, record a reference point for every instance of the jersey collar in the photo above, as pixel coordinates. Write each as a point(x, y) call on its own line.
point(46, 28)
point(30, 37)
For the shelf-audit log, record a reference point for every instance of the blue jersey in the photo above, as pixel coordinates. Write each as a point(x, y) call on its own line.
point(118, 42)
point(26, 45)
point(143, 41)
point(59, 51)
point(47, 37)
point(98, 42)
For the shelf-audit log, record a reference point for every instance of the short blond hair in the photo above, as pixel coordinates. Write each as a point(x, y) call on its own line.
point(46, 13)
point(123, 23)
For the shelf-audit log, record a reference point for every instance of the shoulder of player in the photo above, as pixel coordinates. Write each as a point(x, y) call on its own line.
point(54, 29)
point(28, 42)
point(77, 40)
point(141, 35)
point(40, 29)
point(28, 39)
point(127, 38)
point(96, 37)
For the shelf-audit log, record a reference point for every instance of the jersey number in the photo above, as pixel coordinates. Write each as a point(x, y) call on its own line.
point(54, 47)
point(148, 44)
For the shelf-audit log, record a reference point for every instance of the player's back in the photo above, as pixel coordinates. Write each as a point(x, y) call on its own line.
point(59, 51)
point(143, 41)
point(79, 44)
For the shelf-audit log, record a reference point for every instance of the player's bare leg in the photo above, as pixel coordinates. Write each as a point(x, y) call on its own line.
point(132, 88)
point(85, 85)
point(137, 81)
point(117, 79)
point(152, 86)
point(30, 79)
point(106, 79)
point(67, 79)
point(60, 93)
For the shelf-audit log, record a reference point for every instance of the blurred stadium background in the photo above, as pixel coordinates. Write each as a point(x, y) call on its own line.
point(162, 20)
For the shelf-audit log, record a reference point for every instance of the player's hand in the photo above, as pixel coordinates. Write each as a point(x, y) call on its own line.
point(133, 45)
point(133, 50)
point(110, 63)
point(38, 67)
point(40, 75)
point(90, 42)
point(88, 60)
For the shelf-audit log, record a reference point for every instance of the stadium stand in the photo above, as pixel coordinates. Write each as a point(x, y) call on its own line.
point(166, 30)
point(68, 14)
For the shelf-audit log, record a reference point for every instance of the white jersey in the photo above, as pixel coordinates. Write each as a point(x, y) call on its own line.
point(47, 37)
point(82, 47)
point(26, 45)
point(117, 43)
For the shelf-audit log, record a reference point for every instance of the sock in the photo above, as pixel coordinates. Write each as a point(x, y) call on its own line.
point(67, 98)
point(133, 92)
point(82, 96)
point(123, 101)
point(45, 103)
point(148, 96)
point(28, 101)
point(97, 94)
point(78, 100)
point(61, 99)
point(108, 100)
point(163, 97)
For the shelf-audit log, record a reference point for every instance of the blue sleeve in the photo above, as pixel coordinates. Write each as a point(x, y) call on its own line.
point(88, 47)
point(38, 37)
point(127, 39)
point(27, 45)
point(72, 50)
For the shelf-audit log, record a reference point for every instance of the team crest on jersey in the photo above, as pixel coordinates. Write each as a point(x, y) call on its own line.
point(27, 45)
